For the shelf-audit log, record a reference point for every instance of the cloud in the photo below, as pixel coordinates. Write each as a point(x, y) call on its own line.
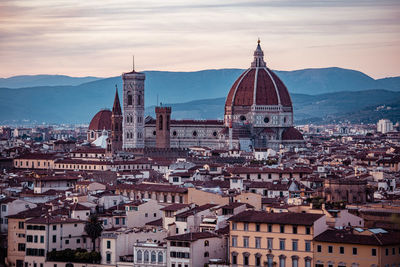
point(48, 31)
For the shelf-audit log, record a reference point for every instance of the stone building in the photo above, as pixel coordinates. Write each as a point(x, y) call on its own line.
point(347, 190)
point(258, 114)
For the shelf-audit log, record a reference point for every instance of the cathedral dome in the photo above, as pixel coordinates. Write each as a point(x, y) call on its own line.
point(101, 121)
point(258, 85)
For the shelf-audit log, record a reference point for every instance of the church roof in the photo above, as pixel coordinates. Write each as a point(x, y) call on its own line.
point(101, 121)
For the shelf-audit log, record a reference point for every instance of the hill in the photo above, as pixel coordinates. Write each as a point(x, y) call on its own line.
point(43, 80)
point(78, 104)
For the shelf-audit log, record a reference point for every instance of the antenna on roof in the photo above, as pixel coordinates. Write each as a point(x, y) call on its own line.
point(133, 62)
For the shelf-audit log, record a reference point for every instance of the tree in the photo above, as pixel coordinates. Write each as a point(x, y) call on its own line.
point(93, 228)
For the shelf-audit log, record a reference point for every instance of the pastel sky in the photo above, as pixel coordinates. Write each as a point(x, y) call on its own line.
point(98, 37)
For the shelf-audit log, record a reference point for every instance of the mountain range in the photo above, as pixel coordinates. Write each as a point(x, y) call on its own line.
point(318, 95)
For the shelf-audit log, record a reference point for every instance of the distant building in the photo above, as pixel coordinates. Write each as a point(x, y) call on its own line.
point(384, 126)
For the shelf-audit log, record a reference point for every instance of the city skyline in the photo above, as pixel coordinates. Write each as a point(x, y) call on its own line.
point(99, 39)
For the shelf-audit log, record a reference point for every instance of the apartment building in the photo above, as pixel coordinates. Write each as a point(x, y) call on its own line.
point(194, 249)
point(259, 238)
point(357, 247)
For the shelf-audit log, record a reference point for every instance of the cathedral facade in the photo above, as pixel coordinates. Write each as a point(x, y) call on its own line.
point(258, 115)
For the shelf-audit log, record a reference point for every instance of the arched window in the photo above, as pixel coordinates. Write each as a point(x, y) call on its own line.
point(139, 99)
point(129, 100)
point(146, 256)
point(139, 255)
point(160, 257)
point(206, 243)
point(160, 122)
point(153, 256)
point(168, 119)
point(206, 254)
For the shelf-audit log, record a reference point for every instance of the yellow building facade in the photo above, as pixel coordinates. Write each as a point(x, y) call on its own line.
point(259, 238)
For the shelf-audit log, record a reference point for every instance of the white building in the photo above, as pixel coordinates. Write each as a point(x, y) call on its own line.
point(150, 254)
point(194, 249)
point(384, 126)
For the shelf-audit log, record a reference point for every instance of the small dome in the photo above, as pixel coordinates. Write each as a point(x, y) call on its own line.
point(101, 121)
point(292, 133)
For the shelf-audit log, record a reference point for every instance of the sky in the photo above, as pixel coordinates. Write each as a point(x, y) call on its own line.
point(99, 37)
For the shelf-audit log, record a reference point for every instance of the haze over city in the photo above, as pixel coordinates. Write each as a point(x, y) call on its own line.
point(98, 38)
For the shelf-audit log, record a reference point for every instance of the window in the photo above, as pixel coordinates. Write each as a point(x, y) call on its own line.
point(66, 241)
point(258, 259)
point(54, 227)
point(180, 199)
point(294, 229)
point(258, 227)
point(206, 254)
point(129, 99)
point(282, 228)
point(234, 226)
point(234, 259)
point(393, 251)
point(341, 249)
point(319, 248)
point(146, 256)
point(282, 244)
point(295, 262)
point(206, 243)
point(139, 255)
point(330, 249)
point(108, 244)
point(354, 251)
point(245, 259)
point(281, 262)
point(246, 241)
point(42, 239)
point(116, 220)
point(246, 226)
point(308, 246)
point(308, 230)
point(173, 199)
point(258, 242)
point(373, 252)
point(153, 256)
point(234, 241)
point(20, 225)
point(386, 251)
point(269, 243)
point(35, 239)
point(3, 208)
point(269, 228)
point(21, 247)
point(78, 241)
point(108, 257)
point(294, 245)
point(160, 257)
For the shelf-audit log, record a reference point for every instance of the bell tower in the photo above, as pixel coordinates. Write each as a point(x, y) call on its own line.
point(163, 123)
point(133, 105)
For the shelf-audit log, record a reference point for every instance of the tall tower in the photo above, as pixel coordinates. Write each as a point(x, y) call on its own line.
point(116, 126)
point(163, 121)
point(133, 104)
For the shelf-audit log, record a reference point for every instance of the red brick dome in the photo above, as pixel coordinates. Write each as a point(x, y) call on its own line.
point(101, 121)
point(292, 133)
point(258, 85)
